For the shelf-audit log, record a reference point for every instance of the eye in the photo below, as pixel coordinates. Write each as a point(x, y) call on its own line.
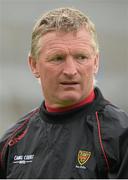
point(56, 59)
point(81, 57)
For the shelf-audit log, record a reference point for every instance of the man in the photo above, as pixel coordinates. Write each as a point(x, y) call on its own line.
point(75, 133)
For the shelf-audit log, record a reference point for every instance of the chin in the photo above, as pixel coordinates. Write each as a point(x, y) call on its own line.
point(70, 99)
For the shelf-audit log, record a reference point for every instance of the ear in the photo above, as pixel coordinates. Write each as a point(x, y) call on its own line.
point(96, 63)
point(33, 66)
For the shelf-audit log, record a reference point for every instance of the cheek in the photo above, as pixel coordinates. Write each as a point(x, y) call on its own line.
point(47, 84)
point(48, 76)
point(88, 71)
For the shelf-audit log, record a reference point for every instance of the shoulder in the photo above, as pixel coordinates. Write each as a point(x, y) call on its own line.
point(18, 129)
point(116, 115)
point(109, 114)
point(14, 134)
point(113, 123)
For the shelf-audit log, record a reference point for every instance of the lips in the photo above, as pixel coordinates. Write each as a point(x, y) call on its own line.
point(69, 83)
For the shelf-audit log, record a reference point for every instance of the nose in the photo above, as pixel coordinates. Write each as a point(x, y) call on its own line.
point(70, 67)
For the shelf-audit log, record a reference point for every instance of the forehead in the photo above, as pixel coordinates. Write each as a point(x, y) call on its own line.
point(81, 38)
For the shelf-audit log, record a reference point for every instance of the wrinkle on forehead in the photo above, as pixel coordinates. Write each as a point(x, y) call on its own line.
point(60, 40)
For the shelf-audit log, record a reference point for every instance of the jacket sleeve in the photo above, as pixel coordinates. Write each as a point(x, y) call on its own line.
point(123, 168)
point(122, 171)
point(13, 135)
point(3, 149)
point(116, 142)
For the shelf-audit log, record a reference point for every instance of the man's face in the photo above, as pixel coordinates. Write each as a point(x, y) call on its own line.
point(66, 67)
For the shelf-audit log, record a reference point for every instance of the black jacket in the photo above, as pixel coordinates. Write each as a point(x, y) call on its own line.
point(87, 142)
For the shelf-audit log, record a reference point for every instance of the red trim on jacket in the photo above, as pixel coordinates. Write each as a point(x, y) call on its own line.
point(9, 140)
point(100, 140)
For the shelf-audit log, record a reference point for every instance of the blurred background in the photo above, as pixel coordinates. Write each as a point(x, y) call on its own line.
point(20, 91)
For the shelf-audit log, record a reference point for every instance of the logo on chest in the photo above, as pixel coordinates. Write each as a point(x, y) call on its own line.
point(82, 158)
point(23, 159)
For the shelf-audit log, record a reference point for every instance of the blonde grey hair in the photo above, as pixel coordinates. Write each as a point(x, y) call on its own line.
point(65, 20)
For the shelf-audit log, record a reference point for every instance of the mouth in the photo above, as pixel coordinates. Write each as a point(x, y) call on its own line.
point(69, 83)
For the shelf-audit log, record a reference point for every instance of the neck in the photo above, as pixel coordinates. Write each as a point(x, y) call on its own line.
point(87, 100)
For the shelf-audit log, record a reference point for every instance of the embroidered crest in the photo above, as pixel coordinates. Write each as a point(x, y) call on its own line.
point(83, 156)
